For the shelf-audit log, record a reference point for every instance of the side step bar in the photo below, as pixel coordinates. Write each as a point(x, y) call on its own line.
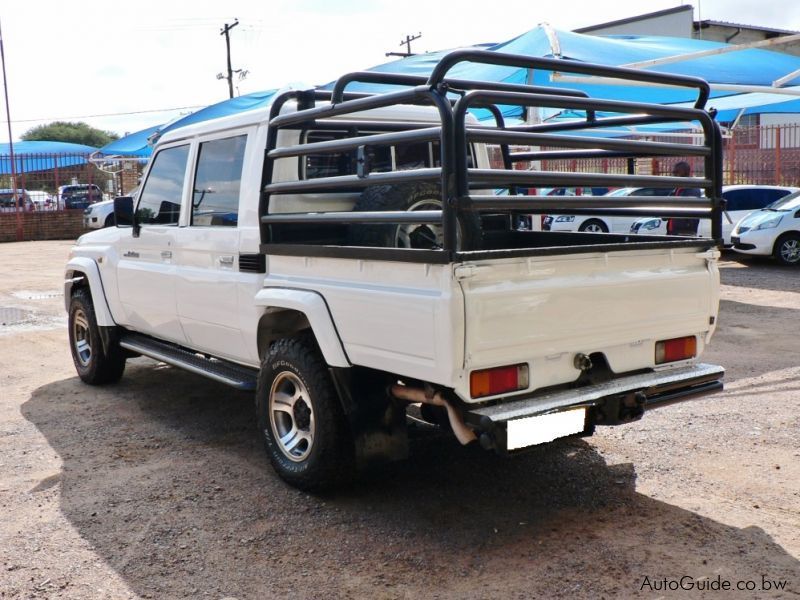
point(242, 378)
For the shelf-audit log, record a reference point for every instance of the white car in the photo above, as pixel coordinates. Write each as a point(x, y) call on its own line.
point(8, 201)
point(99, 215)
point(42, 200)
point(772, 231)
point(740, 200)
point(599, 223)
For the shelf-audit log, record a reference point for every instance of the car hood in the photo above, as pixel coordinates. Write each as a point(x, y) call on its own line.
point(102, 204)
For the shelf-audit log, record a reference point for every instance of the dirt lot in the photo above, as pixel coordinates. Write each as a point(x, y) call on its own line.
point(158, 487)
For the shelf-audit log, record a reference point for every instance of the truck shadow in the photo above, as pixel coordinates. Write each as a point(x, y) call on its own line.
point(165, 477)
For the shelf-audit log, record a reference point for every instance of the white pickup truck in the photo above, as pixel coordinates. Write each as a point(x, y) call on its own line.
point(347, 255)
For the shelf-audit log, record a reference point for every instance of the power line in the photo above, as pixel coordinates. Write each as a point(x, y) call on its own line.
point(117, 114)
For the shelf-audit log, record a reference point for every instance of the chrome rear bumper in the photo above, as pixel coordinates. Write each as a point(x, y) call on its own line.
point(614, 402)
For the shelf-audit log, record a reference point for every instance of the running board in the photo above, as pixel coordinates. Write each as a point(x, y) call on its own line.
point(242, 378)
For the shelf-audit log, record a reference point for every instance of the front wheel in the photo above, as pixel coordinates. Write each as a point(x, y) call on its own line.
point(305, 432)
point(787, 249)
point(95, 364)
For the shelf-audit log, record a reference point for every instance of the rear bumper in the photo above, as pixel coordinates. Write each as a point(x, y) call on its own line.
point(615, 402)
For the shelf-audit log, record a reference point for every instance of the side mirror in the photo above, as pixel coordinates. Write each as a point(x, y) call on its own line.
point(123, 213)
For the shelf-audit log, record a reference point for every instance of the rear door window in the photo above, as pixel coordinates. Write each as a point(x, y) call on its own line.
point(215, 195)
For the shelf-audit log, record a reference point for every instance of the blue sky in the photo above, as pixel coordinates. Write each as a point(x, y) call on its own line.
point(91, 60)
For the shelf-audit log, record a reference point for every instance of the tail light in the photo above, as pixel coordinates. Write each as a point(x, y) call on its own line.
point(500, 380)
point(676, 349)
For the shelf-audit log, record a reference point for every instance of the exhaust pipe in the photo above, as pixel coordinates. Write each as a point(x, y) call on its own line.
point(463, 434)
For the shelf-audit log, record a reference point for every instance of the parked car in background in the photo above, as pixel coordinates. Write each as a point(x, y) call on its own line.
point(739, 201)
point(79, 195)
point(99, 215)
point(598, 223)
point(771, 231)
point(8, 202)
point(41, 199)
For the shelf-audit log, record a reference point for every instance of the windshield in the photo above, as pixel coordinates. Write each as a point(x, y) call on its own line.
point(789, 202)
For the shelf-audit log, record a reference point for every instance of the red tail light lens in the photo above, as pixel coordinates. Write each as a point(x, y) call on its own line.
point(676, 349)
point(500, 380)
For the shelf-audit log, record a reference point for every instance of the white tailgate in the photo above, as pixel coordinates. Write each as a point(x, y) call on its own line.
point(544, 310)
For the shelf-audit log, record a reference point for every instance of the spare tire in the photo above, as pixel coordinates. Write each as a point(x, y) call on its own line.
point(410, 196)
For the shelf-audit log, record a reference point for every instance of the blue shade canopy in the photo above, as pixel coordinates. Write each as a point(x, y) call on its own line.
point(730, 107)
point(42, 156)
point(740, 67)
point(139, 144)
point(133, 145)
point(223, 109)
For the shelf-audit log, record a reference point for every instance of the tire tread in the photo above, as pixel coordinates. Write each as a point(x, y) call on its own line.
point(331, 463)
point(106, 366)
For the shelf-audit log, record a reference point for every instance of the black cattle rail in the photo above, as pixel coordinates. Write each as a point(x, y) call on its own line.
point(463, 185)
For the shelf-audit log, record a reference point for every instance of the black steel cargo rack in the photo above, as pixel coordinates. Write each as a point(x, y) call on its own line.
point(285, 233)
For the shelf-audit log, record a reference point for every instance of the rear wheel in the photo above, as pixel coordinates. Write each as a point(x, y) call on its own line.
point(593, 226)
point(305, 432)
point(787, 249)
point(95, 364)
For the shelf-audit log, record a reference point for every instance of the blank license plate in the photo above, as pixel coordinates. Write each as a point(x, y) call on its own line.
point(541, 429)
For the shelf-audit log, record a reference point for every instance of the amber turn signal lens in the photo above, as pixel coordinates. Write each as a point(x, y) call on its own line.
point(676, 349)
point(490, 382)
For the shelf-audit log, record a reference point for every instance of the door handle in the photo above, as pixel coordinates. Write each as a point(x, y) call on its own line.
point(166, 254)
point(226, 261)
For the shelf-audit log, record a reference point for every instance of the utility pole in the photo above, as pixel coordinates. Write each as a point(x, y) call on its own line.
point(226, 32)
point(407, 42)
point(17, 200)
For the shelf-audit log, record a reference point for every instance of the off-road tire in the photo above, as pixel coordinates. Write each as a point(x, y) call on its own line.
point(327, 459)
point(95, 365)
point(407, 196)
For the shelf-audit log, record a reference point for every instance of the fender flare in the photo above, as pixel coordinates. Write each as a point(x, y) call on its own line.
point(316, 310)
point(88, 269)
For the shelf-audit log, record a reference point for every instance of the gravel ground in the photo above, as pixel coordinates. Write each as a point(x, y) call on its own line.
point(158, 487)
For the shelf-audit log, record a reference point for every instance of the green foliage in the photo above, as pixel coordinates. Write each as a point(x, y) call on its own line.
point(76, 133)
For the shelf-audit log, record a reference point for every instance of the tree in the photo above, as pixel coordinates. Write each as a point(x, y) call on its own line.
point(76, 133)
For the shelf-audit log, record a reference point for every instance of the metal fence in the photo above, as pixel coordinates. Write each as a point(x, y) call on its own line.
point(765, 155)
point(768, 155)
point(41, 176)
